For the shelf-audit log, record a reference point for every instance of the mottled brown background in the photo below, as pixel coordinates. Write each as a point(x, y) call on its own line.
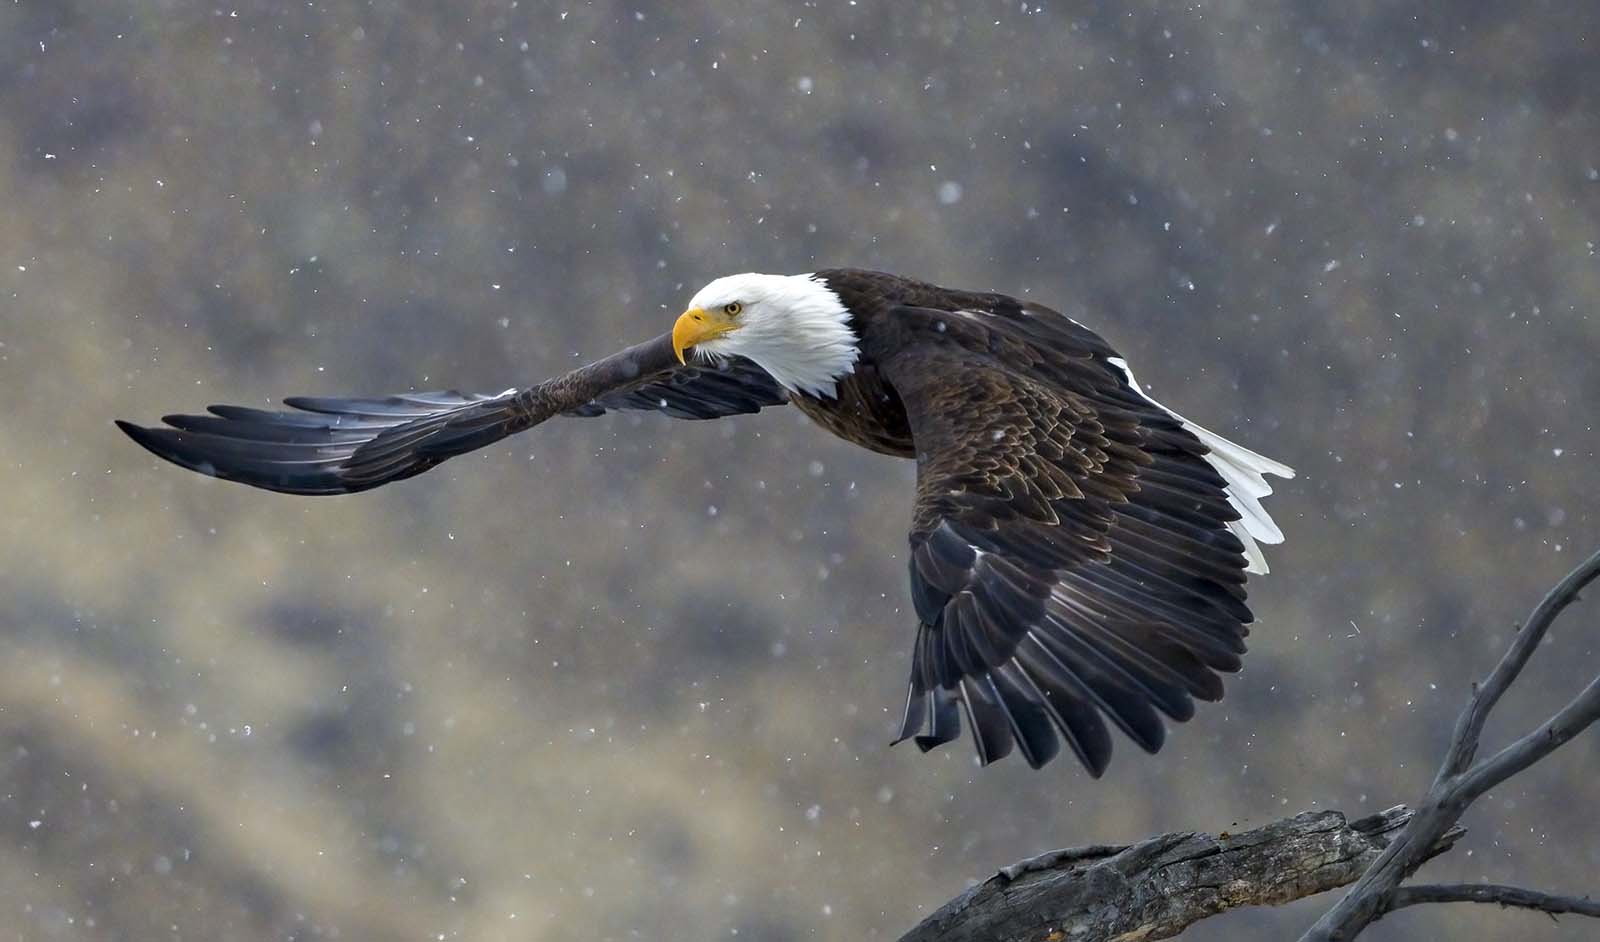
point(627, 678)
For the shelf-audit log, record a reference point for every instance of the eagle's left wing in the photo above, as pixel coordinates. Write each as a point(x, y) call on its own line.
point(332, 445)
point(343, 445)
point(700, 389)
point(1071, 555)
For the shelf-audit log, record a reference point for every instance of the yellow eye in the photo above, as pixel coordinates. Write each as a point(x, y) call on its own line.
point(732, 308)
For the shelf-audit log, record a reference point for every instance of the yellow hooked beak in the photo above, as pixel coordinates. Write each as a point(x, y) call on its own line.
point(697, 325)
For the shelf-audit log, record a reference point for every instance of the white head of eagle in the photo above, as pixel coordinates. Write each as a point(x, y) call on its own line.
point(793, 326)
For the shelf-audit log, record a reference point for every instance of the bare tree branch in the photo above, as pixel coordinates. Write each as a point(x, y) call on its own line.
point(1469, 726)
point(1157, 887)
point(1457, 785)
point(1549, 736)
point(1492, 893)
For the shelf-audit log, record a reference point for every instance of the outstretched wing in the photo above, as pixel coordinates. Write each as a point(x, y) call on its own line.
point(1072, 557)
point(700, 390)
point(340, 446)
point(331, 446)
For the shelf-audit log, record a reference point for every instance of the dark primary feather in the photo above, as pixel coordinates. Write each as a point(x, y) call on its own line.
point(340, 446)
point(331, 446)
point(1070, 558)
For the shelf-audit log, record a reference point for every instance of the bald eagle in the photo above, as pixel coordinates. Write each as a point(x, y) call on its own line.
point(1078, 551)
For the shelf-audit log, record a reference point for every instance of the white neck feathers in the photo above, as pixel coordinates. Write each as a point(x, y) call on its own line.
point(793, 326)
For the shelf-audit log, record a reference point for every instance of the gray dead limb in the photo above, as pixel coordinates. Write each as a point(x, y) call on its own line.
point(1499, 894)
point(1157, 887)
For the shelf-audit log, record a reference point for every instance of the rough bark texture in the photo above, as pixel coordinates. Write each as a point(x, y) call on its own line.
point(1157, 887)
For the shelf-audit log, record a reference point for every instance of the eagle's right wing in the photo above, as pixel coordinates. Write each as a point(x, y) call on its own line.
point(1072, 560)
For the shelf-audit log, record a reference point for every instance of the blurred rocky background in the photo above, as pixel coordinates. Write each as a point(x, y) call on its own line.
point(629, 678)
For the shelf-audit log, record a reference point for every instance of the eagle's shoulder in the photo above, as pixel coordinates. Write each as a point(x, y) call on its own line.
point(876, 292)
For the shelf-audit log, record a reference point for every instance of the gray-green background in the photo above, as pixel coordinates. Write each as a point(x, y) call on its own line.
point(629, 678)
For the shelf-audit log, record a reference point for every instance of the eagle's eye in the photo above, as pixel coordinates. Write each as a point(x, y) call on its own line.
point(732, 308)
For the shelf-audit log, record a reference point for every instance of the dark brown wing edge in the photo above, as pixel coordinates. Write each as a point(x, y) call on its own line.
point(331, 446)
point(344, 445)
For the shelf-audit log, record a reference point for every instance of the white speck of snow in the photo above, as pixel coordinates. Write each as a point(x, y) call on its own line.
point(805, 84)
point(816, 468)
point(1330, 265)
point(949, 192)
point(1558, 452)
point(555, 181)
point(814, 812)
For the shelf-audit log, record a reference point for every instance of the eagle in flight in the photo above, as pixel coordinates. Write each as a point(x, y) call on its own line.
point(1078, 551)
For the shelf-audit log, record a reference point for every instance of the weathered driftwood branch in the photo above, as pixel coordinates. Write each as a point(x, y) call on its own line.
point(1459, 782)
point(1157, 887)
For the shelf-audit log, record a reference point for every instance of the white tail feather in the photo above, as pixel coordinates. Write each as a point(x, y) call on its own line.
point(1243, 471)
